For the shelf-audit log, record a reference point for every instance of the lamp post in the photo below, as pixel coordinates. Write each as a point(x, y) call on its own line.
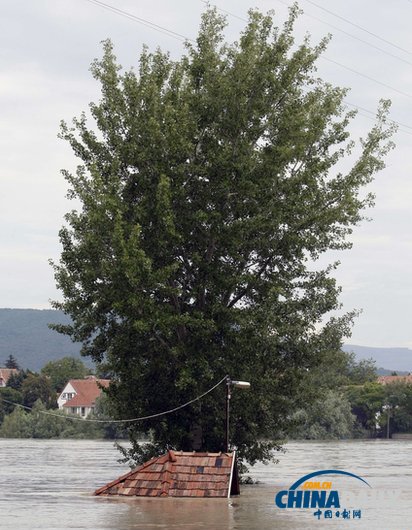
point(387, 409)
point(229, 385)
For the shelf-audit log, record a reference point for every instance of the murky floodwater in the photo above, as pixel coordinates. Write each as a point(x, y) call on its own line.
point(47, 484)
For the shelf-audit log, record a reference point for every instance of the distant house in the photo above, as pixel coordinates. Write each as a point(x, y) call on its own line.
point(387, 379)
point(179, 474)
point(5, 374)
point(79, 395)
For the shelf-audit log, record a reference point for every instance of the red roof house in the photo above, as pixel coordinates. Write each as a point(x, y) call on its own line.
point(79, 395)
point(5, 374)
point(179, 474)
point(388, 379)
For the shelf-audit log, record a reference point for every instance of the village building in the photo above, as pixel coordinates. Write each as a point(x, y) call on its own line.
point(79, 395)
point(388, 379)
point(5, 374)
point(179, 474)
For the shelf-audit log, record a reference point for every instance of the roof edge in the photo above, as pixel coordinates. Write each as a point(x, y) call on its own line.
point(124, 477)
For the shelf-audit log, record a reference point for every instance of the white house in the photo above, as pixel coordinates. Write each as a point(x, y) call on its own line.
point(79, 395)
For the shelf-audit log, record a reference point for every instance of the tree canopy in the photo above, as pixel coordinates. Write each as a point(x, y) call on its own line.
point(11, 362)
point(207, 188)
point(38, 387)
point(59, 372)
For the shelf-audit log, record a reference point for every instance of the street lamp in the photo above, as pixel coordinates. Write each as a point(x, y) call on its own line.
point(236, 384)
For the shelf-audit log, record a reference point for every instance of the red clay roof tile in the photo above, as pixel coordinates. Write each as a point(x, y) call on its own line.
point(87, 391)
point(6, 373)
point(178, 474)
point(387, 379)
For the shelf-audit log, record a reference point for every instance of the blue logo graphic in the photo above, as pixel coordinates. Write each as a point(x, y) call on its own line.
point(317, 494)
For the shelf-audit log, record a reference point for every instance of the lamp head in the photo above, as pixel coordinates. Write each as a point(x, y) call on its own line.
point(241, 384)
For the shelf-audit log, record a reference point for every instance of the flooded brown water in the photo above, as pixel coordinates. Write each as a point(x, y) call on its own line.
point(48, 484)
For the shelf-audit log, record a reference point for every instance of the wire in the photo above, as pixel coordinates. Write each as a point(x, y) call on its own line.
point(359, 27)
point(398, 130)
point(350, 35)
point(400, 124)
point(342, 65)
point(224, 11)
point(76, 418)
point(181, 37)
point(140, 20)
point(367, 77)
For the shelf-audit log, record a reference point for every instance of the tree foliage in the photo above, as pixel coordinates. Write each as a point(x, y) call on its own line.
point(207, 188)
point(399, 399)
point(39, 423)
point(11, 362)
point(367, 401)
point(372, 403)
point(38, 387)
point(327, 412)
point(328, 417)
point(397, 404)
point(8, 398)
point(15, 380)
point(59, 372)
point(16, 425)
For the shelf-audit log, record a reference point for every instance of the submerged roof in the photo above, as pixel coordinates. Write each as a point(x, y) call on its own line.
point(179, 474)
point(87, 391)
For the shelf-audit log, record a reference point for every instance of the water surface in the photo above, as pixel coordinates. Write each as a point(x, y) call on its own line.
point(48, 484)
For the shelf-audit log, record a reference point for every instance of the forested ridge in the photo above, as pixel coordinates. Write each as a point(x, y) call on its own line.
point(24, 333)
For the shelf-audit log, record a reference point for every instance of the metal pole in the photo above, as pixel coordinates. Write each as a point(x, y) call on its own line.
point(387, 422)
point(228, 395)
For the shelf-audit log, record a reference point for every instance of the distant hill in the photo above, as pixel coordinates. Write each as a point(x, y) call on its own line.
point(24, 333)
point(392, 359)
point(382, 371)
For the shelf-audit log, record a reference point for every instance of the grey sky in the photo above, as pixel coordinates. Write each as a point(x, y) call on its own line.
point(46, 48)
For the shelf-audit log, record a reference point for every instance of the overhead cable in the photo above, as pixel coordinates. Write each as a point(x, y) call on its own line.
point(394, 122)
point(359, 27)
point(394, 56)
point(131, 420)
point(141, 20)
point(181, 37)
point(367, 76)
point(224, 11)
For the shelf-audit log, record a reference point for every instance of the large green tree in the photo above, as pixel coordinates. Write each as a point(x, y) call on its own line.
point(207, 189)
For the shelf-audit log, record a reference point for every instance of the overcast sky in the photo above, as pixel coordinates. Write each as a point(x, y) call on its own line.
point(46, 47)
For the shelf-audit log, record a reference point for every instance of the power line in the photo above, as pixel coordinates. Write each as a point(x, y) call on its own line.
point(224, 11)
point(181, 37)
point(373, 117)
point(351, 35)
point(140, 20)
point(371, 112)
point(151, 416)
point(342, 65)
point(359, 27)
point(367, 77)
